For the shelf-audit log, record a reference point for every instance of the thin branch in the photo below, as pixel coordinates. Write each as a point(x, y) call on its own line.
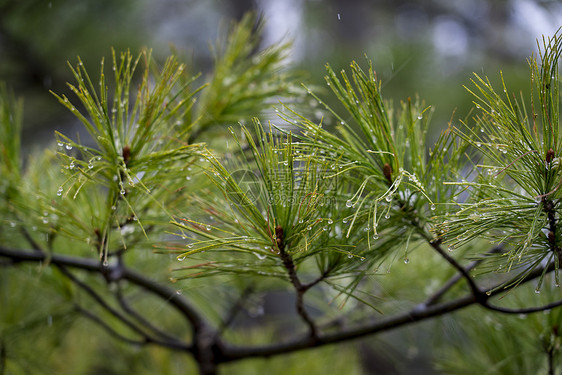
point(528, 310)
point(109, 329)
point(141, 319)
point(146, 339)
point(464, 273)
point(418, 313)
point(453, 280)
point(100, 301)
point(293, 277)
point(234, 310)
point(92, 265)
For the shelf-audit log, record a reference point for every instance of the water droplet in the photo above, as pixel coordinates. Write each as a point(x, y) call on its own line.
point(344, 221)
point(122, 192)
point(181, 258)
point(362, 259)
point(190, 246)
point(350, 256)
point(105, 263)
point(90, 165)
point(388, 198)
point(178, 292)
point(68, 147)
point(45, 220)
point(406, 260)
point(208, 227)
point(349, 203)
point(432, 207)
point(60, 144)
point(309, 228)
point(537, 291)
point(420, 116)
point(330, 221)
point(451, 248)
point(59, 191)
point(375, 236)
point(325, 229)
point(387, 216)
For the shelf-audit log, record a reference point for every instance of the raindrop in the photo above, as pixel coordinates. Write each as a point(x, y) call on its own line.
point(105, 263)
point(450, 248)
point(388, 198)
point(301, 221)
point(537, 291)
point(432, 207)
point(349, 203)
point(339, 17)
point(90, 165)
point(68, 147)
point(178, 292)
point(387, 216)
point(406, 260)
point(330, 221)
point(181, 258)
point(375, 236)
point(122, 192)
point(350, 256)
point(324, 229)
point(45, 220)
point(208, 227)
point(420, 116)
point(59, 191)
point(60, 144)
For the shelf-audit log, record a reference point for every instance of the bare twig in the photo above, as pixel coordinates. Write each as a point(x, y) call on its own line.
point(293, 277)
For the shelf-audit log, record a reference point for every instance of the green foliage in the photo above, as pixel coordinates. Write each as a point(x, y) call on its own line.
point(514, 190)
point(319, 209)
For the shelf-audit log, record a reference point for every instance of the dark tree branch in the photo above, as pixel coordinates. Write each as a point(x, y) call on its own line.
point(146, 339)
point(300, 289)
point(92, 265)
point(455, 279)
point(141, 319)
point(418, 313)
point(234, 310)
point(96, 319)
point(209, 351)
point(478, 294)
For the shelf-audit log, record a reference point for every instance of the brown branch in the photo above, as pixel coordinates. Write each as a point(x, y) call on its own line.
point(301, 289)
point(418, 313)
point(141, 319)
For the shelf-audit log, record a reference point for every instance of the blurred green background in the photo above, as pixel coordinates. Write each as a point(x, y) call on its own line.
point(425, 48)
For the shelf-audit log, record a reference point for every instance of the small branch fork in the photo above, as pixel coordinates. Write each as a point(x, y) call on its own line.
point(300, 288)
point(207, 346)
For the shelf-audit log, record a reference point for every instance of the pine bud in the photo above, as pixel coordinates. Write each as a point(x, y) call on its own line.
point(387, 171)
